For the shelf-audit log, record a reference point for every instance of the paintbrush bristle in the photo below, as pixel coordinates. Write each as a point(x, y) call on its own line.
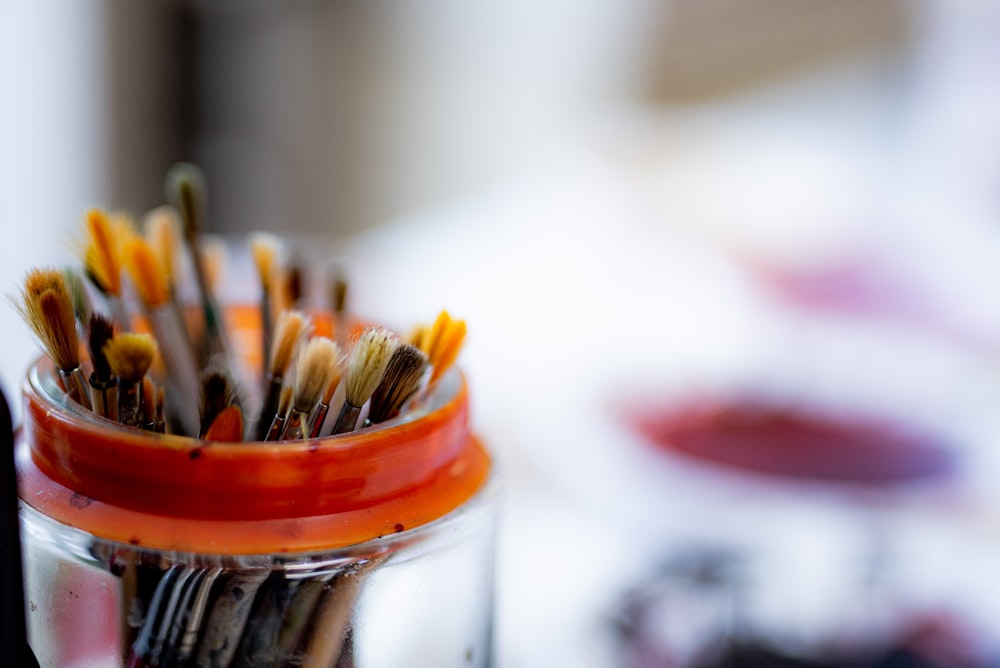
point(406, 369)
point(367, 363)
point(162, 230)
point(46, 306)
point(99, 333)
point(227, 427)
point(338, 290)
point(286, 282)
point(291, 325)
point(217, 393)
point(417, 335)
point(334, 379)
point(442, 342)
point(102, 252)
point(39, 280)
point(213, 260)
point(60, 336)
point(284, 400)
point(185, 186)
point(448, 348)
point(264, 248)
point(130, 355)
point(317, 362)
point(146, 271)
point(78, 296)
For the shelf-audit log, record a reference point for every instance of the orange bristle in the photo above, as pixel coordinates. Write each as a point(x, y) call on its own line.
point(146, 271)
point(162, 228)
point(447, 349)
point(102, 252)
point(227, 427)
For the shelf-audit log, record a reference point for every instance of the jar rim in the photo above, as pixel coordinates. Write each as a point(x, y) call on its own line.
point(173, 492)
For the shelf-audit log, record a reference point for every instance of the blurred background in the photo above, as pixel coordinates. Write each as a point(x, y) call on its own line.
point(634, 204)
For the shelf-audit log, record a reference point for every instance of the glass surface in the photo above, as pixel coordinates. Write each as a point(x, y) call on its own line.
point(423, 592)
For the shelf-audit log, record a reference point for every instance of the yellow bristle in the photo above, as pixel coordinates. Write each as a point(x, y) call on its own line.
point(130, 355)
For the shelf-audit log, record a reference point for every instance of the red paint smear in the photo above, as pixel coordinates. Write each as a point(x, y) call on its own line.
point(797, 442)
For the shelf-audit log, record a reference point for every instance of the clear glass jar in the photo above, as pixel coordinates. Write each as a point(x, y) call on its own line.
point(373, 548)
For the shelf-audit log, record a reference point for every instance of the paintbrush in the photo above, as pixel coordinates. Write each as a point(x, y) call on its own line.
point(319, 415)
point(148, 404)
point(317, 364)
point(150, 282)
point(333, 614)
point(185, 187)
point(47, 307)
point(130, 356)
point(102, 259)
point(159, 422)
point(216, 395)
point(103, 388)
point(264, 249)
point(227, 427)
point(80, 300)
point(407, 368)
point(338, 304)
point(365, 367)
point(290, 327)
point(162, 231)
point(289, 281)
point(227, 617)
point(442, 342)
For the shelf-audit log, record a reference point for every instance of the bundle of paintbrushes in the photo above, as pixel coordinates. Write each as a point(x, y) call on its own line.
point(160, 365)
point(137, 345)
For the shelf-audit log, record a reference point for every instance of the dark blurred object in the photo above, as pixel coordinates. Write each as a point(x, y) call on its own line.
point(13, 629)
point(708, 48)
point(694, 614)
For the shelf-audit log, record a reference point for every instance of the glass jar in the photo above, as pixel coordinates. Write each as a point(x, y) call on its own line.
point(373, 548)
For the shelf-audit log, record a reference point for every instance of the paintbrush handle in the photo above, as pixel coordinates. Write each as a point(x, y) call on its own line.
point(295, 426)
point(272, 396)
point(182, 368)
point(228, 618)
point(104, 397)
point(276, 428)
point(266, 326)
point(347, 419)
point(76, 386)
point(317, 420)
point(129, 404)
